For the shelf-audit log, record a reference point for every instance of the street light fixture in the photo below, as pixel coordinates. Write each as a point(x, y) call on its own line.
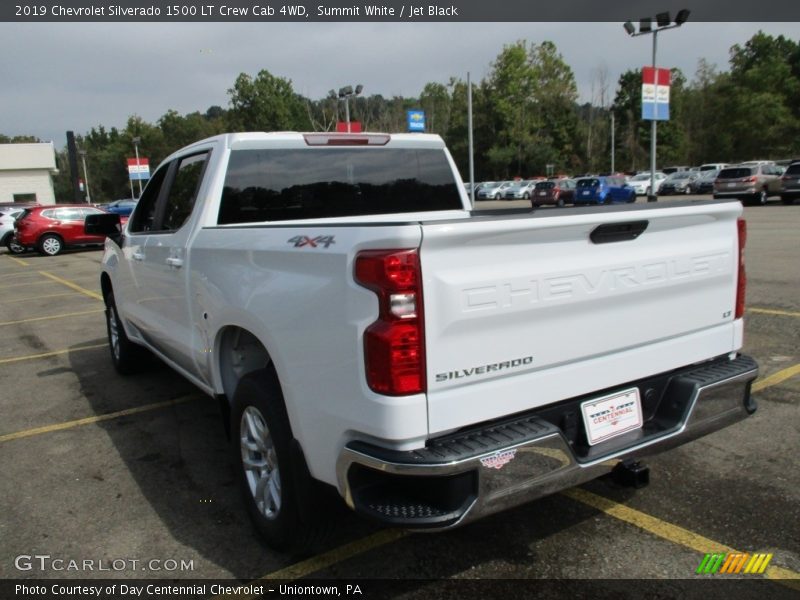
point(345, 93)
point(662, 22)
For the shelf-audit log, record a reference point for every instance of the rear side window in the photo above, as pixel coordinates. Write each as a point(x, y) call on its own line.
point(279, 185)
point(794, 169)
point(735, 173)
point(144, 215)
point(183, 191)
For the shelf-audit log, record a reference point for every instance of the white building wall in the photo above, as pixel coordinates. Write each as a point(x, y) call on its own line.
point(37, 182)
point(28, 169)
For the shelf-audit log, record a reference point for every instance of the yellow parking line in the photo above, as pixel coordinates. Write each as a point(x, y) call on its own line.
point(772, 311)
point(13, 359)
point(776, 378)
point(6, 276)
point(24, 263)
point(73, 286)
point(326, 559)
point(23, 283)
point(96, 419)
point(29, 298)
point(61, 316)
point(668, 531)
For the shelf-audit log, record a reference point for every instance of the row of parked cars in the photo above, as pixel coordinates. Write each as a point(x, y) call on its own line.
point(49, 229)
point(753, 182)
point(605, 189)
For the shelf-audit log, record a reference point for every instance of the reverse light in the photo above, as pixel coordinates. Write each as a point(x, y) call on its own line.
point(741, 282)
point(394, 345)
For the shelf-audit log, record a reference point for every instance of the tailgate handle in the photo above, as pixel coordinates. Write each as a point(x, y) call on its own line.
point(618, 232)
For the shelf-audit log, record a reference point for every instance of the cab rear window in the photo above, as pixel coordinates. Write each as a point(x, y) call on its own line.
point(280, 185)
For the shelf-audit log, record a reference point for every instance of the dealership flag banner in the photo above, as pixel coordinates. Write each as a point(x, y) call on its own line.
point(138, 169)
point(655, 94)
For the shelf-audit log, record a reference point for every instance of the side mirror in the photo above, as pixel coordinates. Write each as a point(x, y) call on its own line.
point(102, 224)
point(107, 224)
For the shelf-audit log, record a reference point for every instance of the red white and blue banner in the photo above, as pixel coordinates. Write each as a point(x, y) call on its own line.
point(138, 168)
point(655, 94)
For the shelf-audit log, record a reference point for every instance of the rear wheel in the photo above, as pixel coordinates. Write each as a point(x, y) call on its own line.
point(787, 200)
point(560, 202)
point(50, 244)
point(14, 247)
point(262, 452)
point(762, 197)
point(128, 358)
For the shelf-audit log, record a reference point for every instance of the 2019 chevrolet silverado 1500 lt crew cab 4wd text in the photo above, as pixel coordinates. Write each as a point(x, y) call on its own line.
point(367, 333)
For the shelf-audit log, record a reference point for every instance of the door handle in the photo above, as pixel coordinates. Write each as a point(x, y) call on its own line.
point(173, 261)
point(137, 256)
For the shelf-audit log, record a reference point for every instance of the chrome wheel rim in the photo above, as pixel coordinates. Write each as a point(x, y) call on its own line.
point(113, 332)
point(260, 463)
point(51, 246)
point(15, 247)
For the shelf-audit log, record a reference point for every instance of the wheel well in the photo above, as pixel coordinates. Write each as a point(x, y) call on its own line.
point(105, 286)
point(240, 352)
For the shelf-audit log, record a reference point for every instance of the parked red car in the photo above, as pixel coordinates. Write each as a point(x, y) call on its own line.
point(554, 191)
point(50, 229)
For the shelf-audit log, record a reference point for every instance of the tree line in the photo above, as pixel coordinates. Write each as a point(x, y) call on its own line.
point(527, 118)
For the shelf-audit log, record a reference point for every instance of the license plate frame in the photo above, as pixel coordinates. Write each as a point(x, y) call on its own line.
point(612, 415)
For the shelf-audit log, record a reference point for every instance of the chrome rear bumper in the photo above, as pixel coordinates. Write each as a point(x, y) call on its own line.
point(459, 478)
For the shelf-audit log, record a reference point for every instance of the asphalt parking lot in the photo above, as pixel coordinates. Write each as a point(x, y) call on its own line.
point(134, 472)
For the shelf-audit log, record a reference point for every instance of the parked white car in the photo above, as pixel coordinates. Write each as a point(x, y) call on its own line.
point(641, 183)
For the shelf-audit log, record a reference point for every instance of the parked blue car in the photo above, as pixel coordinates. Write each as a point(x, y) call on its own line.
point(603, 190)
point(121, 207)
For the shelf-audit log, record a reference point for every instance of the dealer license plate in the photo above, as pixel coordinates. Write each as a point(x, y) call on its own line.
point(610, 416)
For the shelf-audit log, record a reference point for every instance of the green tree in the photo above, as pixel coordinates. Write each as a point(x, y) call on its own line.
point(266, 103)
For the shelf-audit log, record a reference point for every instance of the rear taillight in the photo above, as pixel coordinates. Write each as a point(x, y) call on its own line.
point(741, 283)
point(394, 345)
point(751, 179)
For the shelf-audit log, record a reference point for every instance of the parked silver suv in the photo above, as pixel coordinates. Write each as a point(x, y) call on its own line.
point(751, 183)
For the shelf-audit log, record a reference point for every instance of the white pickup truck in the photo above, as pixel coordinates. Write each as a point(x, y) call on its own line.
point(368, 333)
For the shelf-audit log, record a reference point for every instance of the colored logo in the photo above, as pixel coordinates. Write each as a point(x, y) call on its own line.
point(734, 563)
point(415, 120)
point(498, 460)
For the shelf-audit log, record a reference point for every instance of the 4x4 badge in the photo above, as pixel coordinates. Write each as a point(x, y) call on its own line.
point(301, 241)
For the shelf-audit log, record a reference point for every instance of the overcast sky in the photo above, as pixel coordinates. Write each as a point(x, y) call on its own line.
point(76, 76)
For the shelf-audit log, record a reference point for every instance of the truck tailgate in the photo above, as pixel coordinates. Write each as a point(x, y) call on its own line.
point(523, 311)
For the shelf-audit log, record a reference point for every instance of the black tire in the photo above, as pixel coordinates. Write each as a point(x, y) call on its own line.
point(787, 200)
point(526, 196)
point(607, 200)
point(50, 244)
point(14, 247)
point(128, 358)
point(560, 202)
point(762, 197)
point(260, 428)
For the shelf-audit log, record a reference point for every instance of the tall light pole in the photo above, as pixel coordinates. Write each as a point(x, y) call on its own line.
point(85, 176)
point(345, 93)
point(646, 26)
point(136, 142)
